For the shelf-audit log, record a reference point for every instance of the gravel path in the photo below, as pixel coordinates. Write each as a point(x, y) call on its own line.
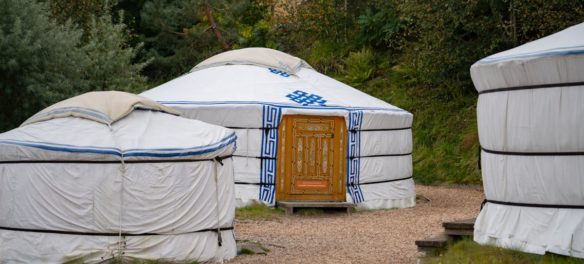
point(382, 236)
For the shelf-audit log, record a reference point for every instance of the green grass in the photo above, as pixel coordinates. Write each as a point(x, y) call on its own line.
point(246, 251)
point(467, 251)
point(258, 211)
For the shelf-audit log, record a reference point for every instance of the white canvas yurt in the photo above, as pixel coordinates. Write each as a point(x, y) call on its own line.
point(531, 129)
point(110, 174)
point(302, 136)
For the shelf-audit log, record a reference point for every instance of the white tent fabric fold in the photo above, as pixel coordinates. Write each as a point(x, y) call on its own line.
point(150, 185)
point(243, 91)
point(530, 126)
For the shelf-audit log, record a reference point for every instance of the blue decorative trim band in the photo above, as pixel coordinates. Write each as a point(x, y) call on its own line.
point(127, 153)
point(354, 150)
point(577, 50)
point(271, 117)
point(281, 105)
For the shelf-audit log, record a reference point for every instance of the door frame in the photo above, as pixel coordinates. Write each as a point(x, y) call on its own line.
point(284, 127)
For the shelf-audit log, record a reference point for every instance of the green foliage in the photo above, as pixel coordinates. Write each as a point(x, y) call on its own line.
point(324, 56)
point(444, 133)
point(178, 34)
point(449, 36)
point(359, 67)
point(110, 58)
point(39, 60)
point(467, 251)
point(42, 62)
point(79, 12)
point(381, 27)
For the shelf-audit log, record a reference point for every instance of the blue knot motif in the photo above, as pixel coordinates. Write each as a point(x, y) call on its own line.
point(305, 98)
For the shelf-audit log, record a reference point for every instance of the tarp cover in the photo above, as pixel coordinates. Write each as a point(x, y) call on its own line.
point(530, 114)
point(253, 98)
point(146, 186)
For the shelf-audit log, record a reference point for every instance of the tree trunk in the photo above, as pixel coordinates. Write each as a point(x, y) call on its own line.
point(224, 45)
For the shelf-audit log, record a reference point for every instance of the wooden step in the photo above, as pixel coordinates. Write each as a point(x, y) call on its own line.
point(290, 205)
point(433, 243)
point(463, 224)
point(464, 227)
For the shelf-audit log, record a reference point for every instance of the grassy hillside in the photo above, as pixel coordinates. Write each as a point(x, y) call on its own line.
point(444, 130)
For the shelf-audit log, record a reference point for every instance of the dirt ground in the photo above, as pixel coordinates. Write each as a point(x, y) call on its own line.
point(381, 236)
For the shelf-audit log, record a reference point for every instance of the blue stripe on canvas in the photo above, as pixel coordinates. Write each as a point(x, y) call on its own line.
point(280, 105)
point(133, 153)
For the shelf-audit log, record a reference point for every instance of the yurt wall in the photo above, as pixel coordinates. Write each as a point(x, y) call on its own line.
point(530, 115)
point(110, 174)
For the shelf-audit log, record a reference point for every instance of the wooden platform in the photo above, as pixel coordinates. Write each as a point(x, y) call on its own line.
point(453, 230)
point(289, 205)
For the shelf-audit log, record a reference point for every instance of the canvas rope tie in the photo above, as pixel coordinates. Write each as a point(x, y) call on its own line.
point(532, 87)
point(215, 176)
point(535, 205)
point(518, 153)
point(123, 171)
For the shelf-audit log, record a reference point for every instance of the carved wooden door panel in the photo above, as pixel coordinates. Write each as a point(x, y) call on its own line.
point(312, 166)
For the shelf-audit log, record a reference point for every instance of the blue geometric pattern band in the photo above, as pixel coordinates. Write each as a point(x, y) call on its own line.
point(271, 117)
point(353, 154)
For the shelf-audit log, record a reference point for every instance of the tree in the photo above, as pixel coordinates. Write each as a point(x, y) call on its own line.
point(39, 60)
point(42, 61)
point(179, 34)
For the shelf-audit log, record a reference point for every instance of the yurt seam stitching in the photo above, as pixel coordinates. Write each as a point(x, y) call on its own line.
point(532, 87)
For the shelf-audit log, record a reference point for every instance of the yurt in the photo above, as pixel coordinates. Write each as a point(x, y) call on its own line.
point(302, 136)
point(110, 174)
point(531, 128)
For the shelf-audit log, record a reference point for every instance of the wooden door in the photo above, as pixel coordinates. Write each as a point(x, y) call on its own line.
point(312, 158)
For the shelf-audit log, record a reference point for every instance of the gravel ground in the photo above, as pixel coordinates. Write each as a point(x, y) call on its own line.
point(382, 236)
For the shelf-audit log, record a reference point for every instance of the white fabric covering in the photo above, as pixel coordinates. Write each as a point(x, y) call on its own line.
point(66, 175)
point(242, 95)
point(536, 119)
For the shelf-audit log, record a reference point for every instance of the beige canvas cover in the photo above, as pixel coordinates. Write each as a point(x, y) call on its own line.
point(105, 107)
point(256, 56)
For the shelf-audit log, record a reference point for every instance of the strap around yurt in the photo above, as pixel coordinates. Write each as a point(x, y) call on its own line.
point(262, 57)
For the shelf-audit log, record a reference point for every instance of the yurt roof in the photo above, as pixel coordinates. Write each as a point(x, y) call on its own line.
point(554, 59)
point(99, 125)
point(228, 78)
point(104, 107)
point(263, 57)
